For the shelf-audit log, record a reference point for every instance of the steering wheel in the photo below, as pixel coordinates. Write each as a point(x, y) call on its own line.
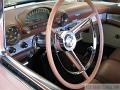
point(68, 41)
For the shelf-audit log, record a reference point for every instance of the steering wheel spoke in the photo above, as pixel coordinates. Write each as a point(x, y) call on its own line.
point(78, 64)
point(80, 25)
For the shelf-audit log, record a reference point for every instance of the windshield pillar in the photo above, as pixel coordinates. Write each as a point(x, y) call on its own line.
point(2, 38)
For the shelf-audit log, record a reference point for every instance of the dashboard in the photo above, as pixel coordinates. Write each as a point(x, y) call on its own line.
point(28, 27)
point(26, 24)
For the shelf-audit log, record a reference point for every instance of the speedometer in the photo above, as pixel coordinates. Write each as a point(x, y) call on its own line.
point(37, 15)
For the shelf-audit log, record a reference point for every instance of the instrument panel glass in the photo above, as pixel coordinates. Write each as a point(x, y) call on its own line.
point(36, 15)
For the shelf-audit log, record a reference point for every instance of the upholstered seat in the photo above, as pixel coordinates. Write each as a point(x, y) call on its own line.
point(115, 55)
point(110, 69)
point(95, 81)
point(109, 72)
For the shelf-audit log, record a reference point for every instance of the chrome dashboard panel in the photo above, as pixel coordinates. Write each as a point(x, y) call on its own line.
point(75, 13)
point(115, 17)
point(19, 48)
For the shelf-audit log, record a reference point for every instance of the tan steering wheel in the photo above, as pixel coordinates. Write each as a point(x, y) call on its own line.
point(70, 46)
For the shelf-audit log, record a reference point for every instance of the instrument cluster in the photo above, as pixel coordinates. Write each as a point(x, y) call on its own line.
point(35, 20)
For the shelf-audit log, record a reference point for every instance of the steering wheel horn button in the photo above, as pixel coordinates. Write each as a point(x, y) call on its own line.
point(68, 40)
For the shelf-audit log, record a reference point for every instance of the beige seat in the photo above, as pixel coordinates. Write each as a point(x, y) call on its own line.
point(109, 72)
point(115, 55)
point(95, 81)
point(110, 69)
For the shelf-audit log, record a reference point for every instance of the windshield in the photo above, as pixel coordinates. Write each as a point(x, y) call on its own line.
point(17, 2)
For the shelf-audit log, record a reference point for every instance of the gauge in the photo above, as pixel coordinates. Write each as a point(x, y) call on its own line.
point(12, 35)
point(37, 15)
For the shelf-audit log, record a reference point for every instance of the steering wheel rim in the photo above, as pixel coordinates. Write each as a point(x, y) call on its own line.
point(49, 50)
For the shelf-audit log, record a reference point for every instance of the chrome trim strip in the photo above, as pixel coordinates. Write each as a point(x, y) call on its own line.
point(115, 17)
point(37, 79)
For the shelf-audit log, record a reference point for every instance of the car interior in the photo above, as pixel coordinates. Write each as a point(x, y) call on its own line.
point(63, 44)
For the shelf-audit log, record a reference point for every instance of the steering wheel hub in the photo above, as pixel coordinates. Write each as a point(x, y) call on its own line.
point(68, 40)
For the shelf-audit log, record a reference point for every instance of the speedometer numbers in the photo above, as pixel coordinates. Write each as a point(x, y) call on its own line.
point(37, 14)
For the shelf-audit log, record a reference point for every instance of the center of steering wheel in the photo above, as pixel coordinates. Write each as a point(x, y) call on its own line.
point(68, 40)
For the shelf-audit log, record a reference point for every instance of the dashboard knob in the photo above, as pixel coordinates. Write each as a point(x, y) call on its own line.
point(12, 50)
point(24, 45)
